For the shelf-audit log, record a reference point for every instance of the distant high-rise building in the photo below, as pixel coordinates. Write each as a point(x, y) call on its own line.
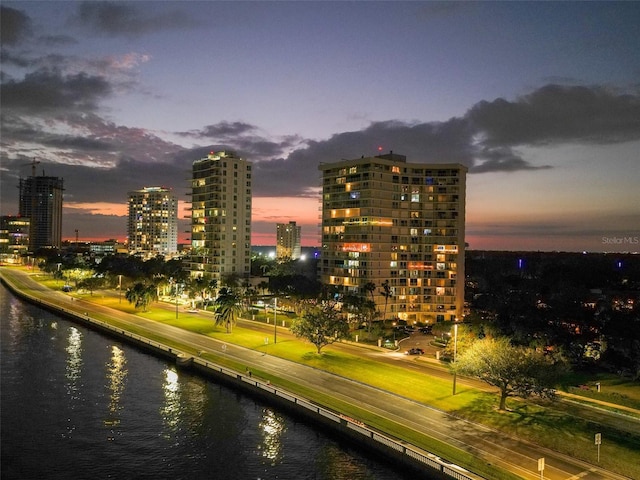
point(400, 227)
point(41, 202)
point(14, 237)
point(221, 216)
point(153, 221)
point(288, 241)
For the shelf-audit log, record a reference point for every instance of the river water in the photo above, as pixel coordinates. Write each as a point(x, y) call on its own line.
point(79, 405)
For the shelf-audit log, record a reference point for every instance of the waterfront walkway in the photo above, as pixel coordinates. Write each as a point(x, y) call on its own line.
point(514, 455)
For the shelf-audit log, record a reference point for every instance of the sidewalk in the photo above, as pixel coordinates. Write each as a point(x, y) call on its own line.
point(493, 447)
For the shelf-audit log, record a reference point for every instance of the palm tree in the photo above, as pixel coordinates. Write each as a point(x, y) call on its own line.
point(385, 291)
point(369, 288)
point(141, 295)
point(227, 308)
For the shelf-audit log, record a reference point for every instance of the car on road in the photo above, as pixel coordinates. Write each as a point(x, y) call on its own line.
point(67, 288)
point(414, 351)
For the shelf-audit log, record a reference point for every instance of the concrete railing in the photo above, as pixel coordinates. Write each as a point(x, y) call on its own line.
point(355, 428)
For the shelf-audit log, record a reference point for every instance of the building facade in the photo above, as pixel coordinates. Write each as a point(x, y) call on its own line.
point(221, 216)
point(398, 226)
point(288, 237)
point(14, 238)
point(41, 202)
point(152, 227)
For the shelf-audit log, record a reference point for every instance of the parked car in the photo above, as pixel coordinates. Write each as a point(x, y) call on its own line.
point(67, 288)
point(426, 329)
point(414, 351)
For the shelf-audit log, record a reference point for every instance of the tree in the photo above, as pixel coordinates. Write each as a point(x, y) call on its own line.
point(387, 293)
point(322, 326)
point(227, 308)
point(92, 283)
point(516, 371)
point(141, 294)
point(360, 308)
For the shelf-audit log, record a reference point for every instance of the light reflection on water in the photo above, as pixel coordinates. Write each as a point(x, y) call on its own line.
point(77, 405)
point(73, 374)
point(272, 426)
point(170, 410)
point(116, 378)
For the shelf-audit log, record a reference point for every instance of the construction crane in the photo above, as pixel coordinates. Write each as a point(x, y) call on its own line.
point(33, 164)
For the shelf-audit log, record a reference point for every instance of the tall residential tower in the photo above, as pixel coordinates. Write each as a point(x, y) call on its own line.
point(288, 241)
point(398, 226)
point(221, 216)
point(153, 221)
point(41, 202)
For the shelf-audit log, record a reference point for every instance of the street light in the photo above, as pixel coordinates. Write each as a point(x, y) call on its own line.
point(119, 288)
point(275, 323)
point(175, 285)
point(176, 299)
point(455, 352)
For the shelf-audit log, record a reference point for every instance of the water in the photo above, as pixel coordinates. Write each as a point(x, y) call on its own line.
point(79, 405)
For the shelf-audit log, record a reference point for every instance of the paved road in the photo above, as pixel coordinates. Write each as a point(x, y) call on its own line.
point(515, 455)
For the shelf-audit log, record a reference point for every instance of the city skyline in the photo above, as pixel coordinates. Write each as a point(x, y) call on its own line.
point(540, 100)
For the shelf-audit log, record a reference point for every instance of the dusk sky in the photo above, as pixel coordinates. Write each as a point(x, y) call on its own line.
point(541, 100)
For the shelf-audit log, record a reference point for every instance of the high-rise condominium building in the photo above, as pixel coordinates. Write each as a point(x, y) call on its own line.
point(288, 241)
point(41, 202)
point(398, 226)
point(14, 237)
point(221, 216)
point(153, 221)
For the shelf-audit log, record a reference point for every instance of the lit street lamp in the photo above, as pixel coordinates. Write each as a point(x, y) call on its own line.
point(175, 285)
point(275, 323)
point(119, 288)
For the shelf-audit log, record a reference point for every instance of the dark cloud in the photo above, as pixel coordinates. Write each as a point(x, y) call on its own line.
point(114, 19)
point(503, 160)
point(50, 90)
point(15, 26)
point(224, 130)
point(57, 40)
point(486, 139)
point(483, 139)
point(555, 113)
point(246, 140)
point(86, 183)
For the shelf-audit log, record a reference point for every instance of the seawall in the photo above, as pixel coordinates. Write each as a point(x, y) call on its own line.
point(403, 455)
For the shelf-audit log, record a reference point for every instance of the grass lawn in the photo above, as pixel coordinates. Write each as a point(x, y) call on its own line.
point(546, 424)
point(556, 426)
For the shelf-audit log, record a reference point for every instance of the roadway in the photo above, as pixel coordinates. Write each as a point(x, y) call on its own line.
point(512, 454)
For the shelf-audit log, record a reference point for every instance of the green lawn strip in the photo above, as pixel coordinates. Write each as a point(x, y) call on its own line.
point(613, 388)
point(562, 434)
point(546, 426)
point(381, 424)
